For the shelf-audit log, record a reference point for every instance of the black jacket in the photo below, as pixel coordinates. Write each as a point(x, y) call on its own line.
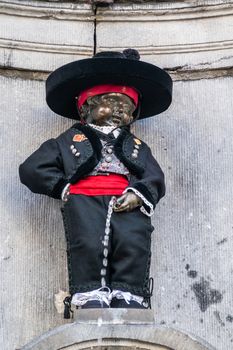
point(54, 165)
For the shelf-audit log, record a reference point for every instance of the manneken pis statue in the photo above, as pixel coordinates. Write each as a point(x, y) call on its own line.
point(108, 179)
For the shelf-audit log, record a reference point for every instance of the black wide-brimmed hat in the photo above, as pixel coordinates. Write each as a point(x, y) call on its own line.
point(67, 82)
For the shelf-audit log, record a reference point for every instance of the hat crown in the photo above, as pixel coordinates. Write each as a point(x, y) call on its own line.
point(109, 67)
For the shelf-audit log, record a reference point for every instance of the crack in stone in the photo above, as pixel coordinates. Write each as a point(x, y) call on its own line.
point(95, 28)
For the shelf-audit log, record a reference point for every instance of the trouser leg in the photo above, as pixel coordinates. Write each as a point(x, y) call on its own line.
point(131, 252)
point(84, 220)
point(128, 249)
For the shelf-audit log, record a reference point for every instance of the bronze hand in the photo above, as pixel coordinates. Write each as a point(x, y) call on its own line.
point(127, 202)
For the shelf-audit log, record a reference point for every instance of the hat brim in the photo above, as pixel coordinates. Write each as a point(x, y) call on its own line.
point(67, 82)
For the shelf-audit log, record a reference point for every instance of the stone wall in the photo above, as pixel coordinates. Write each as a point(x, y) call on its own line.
point(192, 242)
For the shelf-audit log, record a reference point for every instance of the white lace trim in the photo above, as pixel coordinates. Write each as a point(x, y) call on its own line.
point(149, 204)
point(64, 191)
point(102, 295)
point(106, 129)
point(127, 296)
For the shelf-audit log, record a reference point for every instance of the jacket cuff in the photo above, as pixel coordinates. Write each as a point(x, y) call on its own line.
point(63, 194)
point(58, 188)
point(147, 208)
point(143, 189)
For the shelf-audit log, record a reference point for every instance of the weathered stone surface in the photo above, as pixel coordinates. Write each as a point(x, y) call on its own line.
point(187, 35)
point(44, 36)
point(176, 35)
point(193, 223)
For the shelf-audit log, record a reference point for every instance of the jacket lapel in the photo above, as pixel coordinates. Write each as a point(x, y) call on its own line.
point(124, 148)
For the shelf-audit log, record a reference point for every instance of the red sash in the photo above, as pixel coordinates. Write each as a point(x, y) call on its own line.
point(99, 185)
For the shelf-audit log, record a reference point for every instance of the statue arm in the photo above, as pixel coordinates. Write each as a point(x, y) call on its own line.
point(149, 189)
point(42, 172)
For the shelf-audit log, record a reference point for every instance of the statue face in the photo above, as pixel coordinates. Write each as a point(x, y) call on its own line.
point(113, 109)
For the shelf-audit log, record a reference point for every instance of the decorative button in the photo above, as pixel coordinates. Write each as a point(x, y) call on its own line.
point(103, 272)
point(107, 230)
point(134, 155)
point(77, 154)
point(74, 150)
point(105, 262)
point(72, 147)
point(135, 151)
point(103, 282)
point(109, 150)
point(108, 159)
point(136, 146)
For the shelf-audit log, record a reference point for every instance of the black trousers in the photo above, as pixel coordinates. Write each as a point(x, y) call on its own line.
point(129, 247)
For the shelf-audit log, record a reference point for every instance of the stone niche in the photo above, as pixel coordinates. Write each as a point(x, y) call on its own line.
point(192, 244)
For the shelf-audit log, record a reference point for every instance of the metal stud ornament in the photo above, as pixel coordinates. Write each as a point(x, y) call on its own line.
point(109, 150)
point(108, 159)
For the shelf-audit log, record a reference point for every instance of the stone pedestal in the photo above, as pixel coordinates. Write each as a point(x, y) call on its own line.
point(115, 329)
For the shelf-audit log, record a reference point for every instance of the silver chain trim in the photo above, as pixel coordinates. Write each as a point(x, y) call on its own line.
point(105, 241)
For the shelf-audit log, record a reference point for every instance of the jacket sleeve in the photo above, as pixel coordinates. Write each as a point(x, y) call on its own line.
point(151, 187)
point(42, 172)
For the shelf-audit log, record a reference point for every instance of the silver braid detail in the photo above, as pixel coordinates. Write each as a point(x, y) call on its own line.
point(105, 241)
point(149, 204)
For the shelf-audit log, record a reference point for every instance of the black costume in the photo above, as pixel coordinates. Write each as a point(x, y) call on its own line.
point(53, 165)
point(49, 169)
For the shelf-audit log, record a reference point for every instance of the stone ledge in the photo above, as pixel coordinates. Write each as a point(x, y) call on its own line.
point(177, 73)
point(114, 316)
point(160, 32)
point(118, 329)
point(164, 11)
point(47, 10)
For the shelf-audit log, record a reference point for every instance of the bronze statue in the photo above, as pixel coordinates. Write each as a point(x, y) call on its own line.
point(107, 177)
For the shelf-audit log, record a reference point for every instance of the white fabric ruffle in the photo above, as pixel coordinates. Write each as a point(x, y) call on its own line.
point(102, 295)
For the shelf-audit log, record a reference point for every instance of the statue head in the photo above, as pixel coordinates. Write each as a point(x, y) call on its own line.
point(114, 109)
point(108, 104)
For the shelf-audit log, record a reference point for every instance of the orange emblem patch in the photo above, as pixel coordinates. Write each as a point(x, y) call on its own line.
point(137, 141)
point(79, 138)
